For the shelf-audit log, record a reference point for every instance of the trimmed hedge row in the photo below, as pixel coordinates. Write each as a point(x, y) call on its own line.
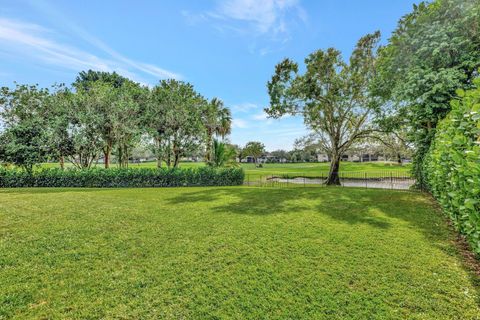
point(452, 165)
point(122, 178)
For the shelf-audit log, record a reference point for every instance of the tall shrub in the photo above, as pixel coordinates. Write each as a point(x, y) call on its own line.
point(121, 178)
point(453, 164)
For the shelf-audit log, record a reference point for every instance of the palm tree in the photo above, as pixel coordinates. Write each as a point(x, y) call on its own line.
point(223, 155)
point(217, 120)
point(254, 149)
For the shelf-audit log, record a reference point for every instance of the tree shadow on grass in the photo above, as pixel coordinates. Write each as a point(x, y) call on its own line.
point(240, 200)
point(265, 201)
point(375, 207)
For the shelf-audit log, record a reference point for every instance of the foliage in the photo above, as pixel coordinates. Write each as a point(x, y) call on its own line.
point(114, 103)
point(223, 155)
point(229, 253)
point(173, 117)
point(332, 96)
point(393, 143)
point(254, 149)
point(453, 164)
point(281, 154)
point(23, 111)
point(104, 114)
point(23, 145)
point(86, 79)
point(217, 120)
point(121, 178)
point(434, 50)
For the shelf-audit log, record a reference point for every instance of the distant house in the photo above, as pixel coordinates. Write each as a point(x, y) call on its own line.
point(322, 157)
point(263, 159)
point(353, 157)
point(248, 159)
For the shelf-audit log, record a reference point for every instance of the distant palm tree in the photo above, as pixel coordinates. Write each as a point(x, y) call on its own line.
point(217, 120)
point(223, 155)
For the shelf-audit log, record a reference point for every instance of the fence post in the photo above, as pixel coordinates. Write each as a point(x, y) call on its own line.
point(366, 181)
point(391, 179)
point(304, 181)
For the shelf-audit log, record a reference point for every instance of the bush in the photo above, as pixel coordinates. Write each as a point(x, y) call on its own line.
point(452, 165)
point(121, 178)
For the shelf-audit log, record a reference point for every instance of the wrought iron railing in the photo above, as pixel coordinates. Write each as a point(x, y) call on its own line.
point(398, 180)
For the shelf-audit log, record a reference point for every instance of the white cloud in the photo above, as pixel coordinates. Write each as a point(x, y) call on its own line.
point(244, 107)
point(239, 123)
point(27, 39)
point(267, 18)
point(263, 116)
point(260, 116)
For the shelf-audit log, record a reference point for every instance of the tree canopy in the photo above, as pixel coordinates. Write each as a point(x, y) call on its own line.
point(434, 50)
point(331, 95)
point(104, 114)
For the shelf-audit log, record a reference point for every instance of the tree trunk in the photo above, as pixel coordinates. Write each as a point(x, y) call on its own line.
point(177, 160)
point(399, 158)
point(126, 156)
point(159, 157)
point(106, 156)
point(333, 176)
point(169, 156)
point(62, 162)
point(208, 151)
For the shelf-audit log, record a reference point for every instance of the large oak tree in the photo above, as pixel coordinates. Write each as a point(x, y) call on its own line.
point(331, 95)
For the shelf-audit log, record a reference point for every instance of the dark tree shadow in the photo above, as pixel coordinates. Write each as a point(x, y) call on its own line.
point(353, 206)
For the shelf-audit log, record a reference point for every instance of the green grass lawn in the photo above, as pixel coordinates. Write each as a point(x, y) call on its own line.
point(347, 169)
point(231, 252)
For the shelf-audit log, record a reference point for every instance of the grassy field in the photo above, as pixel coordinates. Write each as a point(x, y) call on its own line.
point(232, 252)
point(350, 169)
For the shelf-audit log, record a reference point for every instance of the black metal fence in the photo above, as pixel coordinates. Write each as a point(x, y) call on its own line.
point(397, 180)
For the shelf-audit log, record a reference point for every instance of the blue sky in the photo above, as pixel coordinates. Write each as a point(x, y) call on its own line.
point(226, 49)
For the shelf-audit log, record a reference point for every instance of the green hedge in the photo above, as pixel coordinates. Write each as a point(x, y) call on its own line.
point(120, 178)
point(452, 165)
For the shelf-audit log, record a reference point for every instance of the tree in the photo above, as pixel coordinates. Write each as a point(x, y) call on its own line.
point(222, 155)
point(83, 127)
point(173, 116)
point(114, 100)
point(308, 147)
point(332, 96)
point(434, 50)
point(24, 145)
point(86, 78)
point(254, 149)
point(127, 110)
point(57, 123)
point(217, 120)
point(280, 154)
point(396, 143)
point(24, 140)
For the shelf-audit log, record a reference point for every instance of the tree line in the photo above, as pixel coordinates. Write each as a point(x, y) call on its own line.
point(103, 114)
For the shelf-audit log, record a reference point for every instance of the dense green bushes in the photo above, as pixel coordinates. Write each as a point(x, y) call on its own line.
point(453, 165)
point(118, 178)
